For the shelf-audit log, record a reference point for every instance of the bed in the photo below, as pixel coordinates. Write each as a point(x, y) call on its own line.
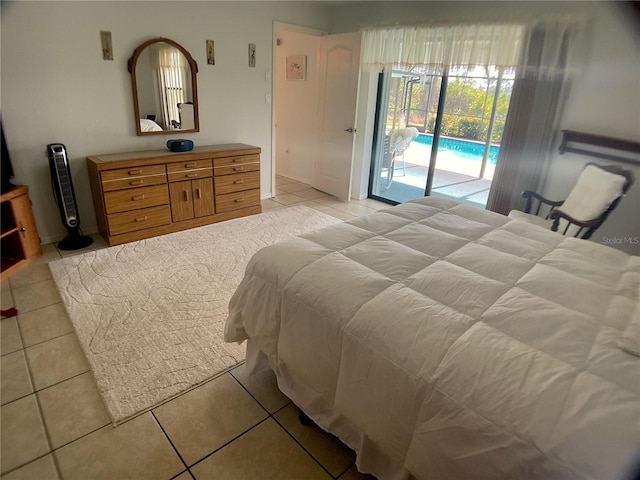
point(148, 125)
point(442, 341)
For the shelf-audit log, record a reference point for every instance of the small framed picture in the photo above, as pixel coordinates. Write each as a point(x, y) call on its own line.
point(297, 67)
point(107, 47)
point(252, 54)
point(211, 54)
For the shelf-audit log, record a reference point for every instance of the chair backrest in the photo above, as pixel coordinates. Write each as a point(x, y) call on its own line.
point(402, 138)
point(387, 154)
point(595, 195)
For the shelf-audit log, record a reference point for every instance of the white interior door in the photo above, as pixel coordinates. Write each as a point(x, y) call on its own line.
point(339, 71)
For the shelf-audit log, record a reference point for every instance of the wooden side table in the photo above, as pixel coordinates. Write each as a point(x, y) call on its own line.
point(19, 239)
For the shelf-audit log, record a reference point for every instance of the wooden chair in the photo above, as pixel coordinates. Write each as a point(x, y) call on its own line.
point(597, 193)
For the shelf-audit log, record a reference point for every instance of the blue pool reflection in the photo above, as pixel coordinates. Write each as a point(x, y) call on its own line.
point(465, 149)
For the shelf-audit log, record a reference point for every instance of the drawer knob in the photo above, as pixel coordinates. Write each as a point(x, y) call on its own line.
point(237, 159)
point(190, 165)
point(141, 218)
point(137, 197)
point(239, 200)
point(238, 182)
point(135, 172)
point(136, 182)
point(192, 175)
point(238, 169)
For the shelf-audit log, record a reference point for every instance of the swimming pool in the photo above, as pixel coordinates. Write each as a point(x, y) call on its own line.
point(466, 149)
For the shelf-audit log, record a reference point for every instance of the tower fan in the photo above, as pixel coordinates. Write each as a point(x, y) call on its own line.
point(65, 198)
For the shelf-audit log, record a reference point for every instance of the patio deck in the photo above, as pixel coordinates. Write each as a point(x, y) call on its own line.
point(455, 177)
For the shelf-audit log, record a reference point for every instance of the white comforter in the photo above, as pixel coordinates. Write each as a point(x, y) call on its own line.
point(454, 342)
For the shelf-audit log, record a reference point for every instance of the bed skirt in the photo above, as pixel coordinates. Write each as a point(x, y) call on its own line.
point(369, 458)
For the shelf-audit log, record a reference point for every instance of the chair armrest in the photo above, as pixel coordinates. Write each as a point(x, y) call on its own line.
point(556, 215)
point(530, 195)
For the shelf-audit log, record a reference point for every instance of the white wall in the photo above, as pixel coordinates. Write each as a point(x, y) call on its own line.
point(354, 16)
point(57, 88)
point(296, 105)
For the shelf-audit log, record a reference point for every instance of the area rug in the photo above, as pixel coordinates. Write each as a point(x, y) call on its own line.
point(150, 315)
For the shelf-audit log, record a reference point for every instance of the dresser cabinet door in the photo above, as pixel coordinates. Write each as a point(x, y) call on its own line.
point(202, 191)
point(181, 201)
point(191, 199)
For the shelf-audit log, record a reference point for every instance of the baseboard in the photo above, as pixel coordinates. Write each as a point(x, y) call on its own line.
point(359, 197)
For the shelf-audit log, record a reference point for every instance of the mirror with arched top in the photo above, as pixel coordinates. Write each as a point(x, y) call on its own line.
point(165, 93)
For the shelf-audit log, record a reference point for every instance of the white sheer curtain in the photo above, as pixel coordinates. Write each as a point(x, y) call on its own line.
point(172, 72)
point(443, 46)
point(500, 45)
point(544, 53)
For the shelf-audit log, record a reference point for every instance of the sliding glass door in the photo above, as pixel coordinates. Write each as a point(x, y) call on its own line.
point(438, 133)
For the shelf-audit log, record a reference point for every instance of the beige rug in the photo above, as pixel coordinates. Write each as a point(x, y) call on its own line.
point(150, 314)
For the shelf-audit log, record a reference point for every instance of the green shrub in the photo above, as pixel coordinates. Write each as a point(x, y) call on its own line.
point(498, 129)
point(470, 128)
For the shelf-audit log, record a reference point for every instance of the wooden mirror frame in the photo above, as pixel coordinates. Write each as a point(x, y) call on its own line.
point(131, 66)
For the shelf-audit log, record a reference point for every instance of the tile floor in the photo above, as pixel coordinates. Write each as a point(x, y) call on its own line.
point(54, 425)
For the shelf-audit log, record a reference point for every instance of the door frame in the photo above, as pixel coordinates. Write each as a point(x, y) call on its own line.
point(277, 27)
point(382, 99)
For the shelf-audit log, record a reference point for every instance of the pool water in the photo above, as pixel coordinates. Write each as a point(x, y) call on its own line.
point(466, 149)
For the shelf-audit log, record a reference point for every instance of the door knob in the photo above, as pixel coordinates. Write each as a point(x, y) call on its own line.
point(350, 130)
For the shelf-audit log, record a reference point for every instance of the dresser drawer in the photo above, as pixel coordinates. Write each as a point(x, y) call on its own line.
point(133, 177)
point(133, 198)
point(139, 219)
point(192, 165)
point(237, 182)
point(241, 159)
point(132, 172)
point(190, 174)
point(237, 200)
point(231, 169)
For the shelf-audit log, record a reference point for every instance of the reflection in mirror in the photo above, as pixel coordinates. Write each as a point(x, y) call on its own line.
point(163, 77)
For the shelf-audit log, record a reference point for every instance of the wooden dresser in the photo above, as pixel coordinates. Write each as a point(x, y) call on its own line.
point(143, 194)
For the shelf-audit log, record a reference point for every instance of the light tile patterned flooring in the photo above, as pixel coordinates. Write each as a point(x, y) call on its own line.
point(54, 425)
